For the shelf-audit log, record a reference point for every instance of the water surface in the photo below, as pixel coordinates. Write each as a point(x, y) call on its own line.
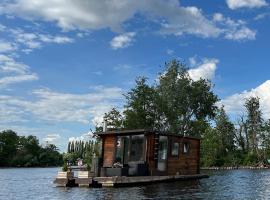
point(37, 183)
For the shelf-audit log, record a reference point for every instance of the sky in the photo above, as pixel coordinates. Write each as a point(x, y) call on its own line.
point(64, 63)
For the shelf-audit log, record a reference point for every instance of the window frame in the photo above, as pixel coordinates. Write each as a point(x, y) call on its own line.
point(172, 147)
point(188, 147)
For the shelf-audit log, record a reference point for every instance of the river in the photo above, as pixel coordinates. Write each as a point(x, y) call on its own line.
point(37, 183)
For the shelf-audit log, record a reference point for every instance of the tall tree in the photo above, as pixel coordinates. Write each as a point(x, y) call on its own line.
point(140, 110)
point(114, 119)
point(254, 122)
point(8, 146)
point(225, 130)
point(184, 101)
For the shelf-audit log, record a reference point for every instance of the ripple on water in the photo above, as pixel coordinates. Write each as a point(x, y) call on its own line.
point(37, 184)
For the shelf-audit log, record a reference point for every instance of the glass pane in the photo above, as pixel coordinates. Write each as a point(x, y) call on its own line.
point(137, 146)
point(186, 148)
point(162, 153)
point(163, 147)
point(175, 149)
point(119, 150)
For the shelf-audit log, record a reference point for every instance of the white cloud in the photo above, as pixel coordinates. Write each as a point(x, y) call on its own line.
point(234, 104)
point(35, 40)
point(262, 16)
point(7, 80)
point(122, 41)
point(205, 70)
point(84, 137)
point(241, 34)
point(234, 29)
point(6, 47)
point(170, 17)
point(63, 107)
point(170, 52)
point(51, 138)
point(14, 72)
point(81, 14)
point(235, 4)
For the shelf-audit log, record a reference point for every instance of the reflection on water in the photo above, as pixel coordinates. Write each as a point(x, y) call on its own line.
point(37, 184)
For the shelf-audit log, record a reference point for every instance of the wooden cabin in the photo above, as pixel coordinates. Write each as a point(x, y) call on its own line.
point(142, 152)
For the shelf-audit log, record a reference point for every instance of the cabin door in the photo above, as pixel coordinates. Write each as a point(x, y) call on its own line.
point(162, 153)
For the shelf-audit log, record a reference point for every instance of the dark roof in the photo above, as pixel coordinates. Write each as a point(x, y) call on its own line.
point(141, 131)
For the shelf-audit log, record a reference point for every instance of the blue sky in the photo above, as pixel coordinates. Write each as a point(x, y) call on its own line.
point(64, 63)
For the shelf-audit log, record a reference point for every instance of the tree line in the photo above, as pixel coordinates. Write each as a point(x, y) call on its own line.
point(85, 150)
point(177, 104)
point(25, 151)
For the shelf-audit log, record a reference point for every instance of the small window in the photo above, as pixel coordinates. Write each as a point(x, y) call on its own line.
point(186, 147)
point(175, 149)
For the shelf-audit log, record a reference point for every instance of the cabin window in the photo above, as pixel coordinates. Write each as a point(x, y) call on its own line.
point(122, 148)
point(175, 149)
point(137, 148)
point(119, 150)
point(186, 147)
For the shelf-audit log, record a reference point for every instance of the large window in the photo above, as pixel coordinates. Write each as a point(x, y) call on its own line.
point(137, 148)
point(175, 149)
point(122, 149)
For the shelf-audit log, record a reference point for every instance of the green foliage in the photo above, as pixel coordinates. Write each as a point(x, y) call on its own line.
point(140, 108)
point(26, 152)
point(114, 119)
point(183, 100)
point(82, 150)
point(176, 103)
point(65, 167)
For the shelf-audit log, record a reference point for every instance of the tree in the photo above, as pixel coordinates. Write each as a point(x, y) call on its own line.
point(140, 110)
point(209, 148)
point(114, 119)
point(8, 146)
point(184, 101)
point(225, 130)
point(254, 122)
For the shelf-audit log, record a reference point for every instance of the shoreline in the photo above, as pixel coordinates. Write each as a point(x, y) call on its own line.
point(234, 168)
point(29, 167)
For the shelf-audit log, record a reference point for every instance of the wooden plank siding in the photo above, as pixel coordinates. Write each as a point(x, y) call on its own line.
point(185, 163)
point(108, 150)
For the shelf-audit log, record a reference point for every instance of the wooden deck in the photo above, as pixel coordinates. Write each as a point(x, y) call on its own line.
point(122, 181)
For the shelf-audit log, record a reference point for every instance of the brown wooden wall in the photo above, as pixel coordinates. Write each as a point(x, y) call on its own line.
point(185, 163)
point(108, 150)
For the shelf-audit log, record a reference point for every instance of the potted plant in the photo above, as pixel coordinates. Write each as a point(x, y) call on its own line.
point(66, 173)
point(87, 173)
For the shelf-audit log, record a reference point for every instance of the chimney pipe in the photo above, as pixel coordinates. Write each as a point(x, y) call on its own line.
point(105, 125)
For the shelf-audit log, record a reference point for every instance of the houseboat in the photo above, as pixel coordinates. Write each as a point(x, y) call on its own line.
point(135, 157)
point(148, 153)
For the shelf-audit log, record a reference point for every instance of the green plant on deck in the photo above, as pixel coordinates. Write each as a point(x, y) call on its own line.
point(65, 167)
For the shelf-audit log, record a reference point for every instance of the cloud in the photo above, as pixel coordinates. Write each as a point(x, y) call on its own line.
point(242, 34)
point(234, 29)
point(84, 137)
point(170, 52)
point(35, 40)
point(235, 4)
point(51, 138)
point(17, 79)
point(205, 70)
point(234, 104)
point(14, 72)
point(6, 47)
point(122, 41)
point(169, 18)
point(54, 107)
point(69, 15)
